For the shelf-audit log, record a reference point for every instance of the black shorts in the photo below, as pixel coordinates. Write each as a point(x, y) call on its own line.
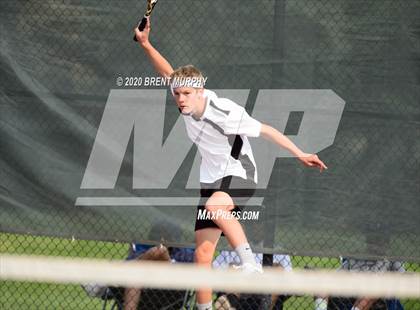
point(240, 190)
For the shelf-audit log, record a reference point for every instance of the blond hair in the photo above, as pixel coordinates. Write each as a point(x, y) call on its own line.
point(186, 76)
point(186, 71)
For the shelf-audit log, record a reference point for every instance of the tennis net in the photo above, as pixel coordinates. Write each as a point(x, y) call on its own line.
point(188, 276)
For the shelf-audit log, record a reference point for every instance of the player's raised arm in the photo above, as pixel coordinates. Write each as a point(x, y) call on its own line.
point(162, 66)
point(272, 134)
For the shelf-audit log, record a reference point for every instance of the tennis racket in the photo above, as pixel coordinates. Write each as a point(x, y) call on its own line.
point(142, 24)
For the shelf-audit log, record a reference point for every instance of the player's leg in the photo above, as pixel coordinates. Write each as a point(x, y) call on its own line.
point(206, 241)
point(230, 226)
point(232, 229)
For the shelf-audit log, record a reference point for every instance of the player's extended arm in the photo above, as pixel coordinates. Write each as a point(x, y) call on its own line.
point(162, 66)
point(272, 134)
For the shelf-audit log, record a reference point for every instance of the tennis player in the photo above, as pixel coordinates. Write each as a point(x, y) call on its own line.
point(220, 128)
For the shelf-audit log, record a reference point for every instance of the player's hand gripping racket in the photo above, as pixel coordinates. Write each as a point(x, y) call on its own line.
point(142, 24)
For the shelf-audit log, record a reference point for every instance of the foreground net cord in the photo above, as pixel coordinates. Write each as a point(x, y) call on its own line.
point(147, 274)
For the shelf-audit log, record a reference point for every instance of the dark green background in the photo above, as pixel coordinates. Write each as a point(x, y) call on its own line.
point(59, 59)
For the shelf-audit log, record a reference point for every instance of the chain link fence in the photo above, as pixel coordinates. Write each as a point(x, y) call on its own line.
point(60, 59)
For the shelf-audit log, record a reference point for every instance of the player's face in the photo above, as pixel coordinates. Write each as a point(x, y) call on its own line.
point(187, 99)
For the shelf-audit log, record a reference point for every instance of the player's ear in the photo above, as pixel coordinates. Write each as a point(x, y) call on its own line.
point(200, 92)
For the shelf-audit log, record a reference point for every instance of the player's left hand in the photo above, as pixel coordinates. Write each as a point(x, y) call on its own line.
point(312, 160)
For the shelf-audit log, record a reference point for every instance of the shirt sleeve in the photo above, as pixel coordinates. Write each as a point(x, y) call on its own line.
point(239, 122)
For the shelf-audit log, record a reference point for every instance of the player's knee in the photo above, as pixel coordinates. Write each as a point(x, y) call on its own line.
point(204, 253)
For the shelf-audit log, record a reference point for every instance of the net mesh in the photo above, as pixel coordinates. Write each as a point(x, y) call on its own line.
point(94, 295)
point(176, 280)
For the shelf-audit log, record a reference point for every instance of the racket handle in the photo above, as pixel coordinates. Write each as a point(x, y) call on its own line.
point(141, 26)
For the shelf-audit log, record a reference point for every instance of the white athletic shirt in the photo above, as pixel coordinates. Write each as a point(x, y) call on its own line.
point(223, 126)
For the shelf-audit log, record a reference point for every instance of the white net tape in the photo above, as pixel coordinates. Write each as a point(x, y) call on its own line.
point(187, 276)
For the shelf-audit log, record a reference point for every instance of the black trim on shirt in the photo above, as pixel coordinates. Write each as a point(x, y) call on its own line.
point(213, 105)
point(215, 126)
point(245, 161)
